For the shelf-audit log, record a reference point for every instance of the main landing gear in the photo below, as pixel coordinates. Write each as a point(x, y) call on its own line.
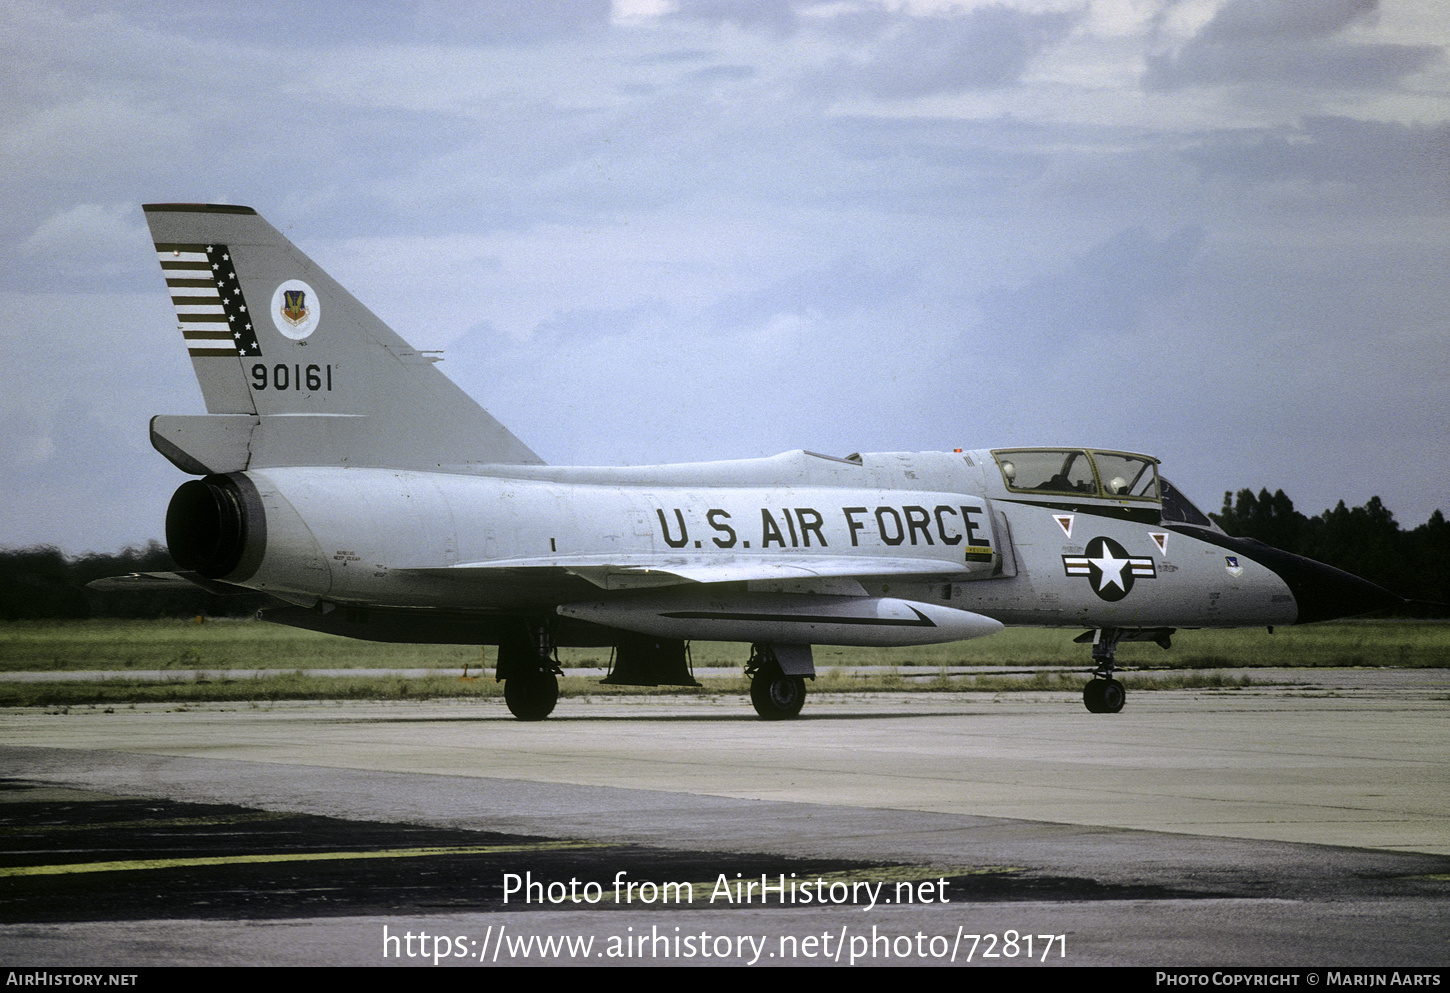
point(776, 695)
point(529, 672)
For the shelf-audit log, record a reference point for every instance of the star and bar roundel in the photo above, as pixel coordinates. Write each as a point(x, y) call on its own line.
point(1111, 571)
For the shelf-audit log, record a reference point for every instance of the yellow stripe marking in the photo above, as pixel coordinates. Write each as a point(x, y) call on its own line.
point(393, 853)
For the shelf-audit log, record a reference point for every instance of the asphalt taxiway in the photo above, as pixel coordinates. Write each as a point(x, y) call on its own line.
point(1305, 825)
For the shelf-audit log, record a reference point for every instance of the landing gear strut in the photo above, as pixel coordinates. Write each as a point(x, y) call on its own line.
point(1103, 694)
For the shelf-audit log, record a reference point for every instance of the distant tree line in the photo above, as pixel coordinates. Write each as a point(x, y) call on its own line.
point(43, 582)
point(1364, 541)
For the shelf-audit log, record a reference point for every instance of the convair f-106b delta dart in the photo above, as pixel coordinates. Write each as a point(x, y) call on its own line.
point(344, 475)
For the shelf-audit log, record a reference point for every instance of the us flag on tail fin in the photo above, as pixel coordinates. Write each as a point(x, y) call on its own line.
point(210, 310)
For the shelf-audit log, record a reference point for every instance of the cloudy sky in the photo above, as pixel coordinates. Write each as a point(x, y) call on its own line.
point(1211, 230)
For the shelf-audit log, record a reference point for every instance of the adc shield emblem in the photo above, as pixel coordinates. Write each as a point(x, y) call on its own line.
point(295, 309)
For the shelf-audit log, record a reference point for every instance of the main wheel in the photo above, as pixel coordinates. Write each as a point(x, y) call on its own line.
point(531, 696)
point(1092, 696)
point(776, 696)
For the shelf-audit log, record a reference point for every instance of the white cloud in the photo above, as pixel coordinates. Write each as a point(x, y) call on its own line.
point(85, 245)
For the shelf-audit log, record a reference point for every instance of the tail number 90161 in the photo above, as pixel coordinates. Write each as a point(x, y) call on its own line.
point(282, 376)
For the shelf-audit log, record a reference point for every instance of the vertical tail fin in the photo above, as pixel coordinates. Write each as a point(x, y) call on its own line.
point(293, 369)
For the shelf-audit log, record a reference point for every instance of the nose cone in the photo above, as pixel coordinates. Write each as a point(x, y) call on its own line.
point(1321, 591)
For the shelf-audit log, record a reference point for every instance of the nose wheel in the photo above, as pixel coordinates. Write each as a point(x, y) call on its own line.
point(1103, 695)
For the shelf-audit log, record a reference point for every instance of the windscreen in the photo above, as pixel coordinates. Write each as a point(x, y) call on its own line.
point(1127, 475)
point(1178, 509)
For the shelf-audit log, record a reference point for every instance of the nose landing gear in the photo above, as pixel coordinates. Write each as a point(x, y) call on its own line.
point(1103, 694)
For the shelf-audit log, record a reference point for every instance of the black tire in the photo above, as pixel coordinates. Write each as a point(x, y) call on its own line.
point(776, 696)
point(531, 696)
point(1104, 696)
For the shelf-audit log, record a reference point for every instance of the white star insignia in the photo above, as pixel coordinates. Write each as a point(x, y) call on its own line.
point(1112, 570)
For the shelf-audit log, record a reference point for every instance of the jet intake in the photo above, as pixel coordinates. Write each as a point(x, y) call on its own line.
point(786, 618)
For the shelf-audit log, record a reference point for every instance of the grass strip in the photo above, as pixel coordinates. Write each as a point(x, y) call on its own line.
point(184, 645)
point(301, 686)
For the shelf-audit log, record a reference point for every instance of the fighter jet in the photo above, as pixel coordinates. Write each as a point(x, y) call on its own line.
point(342, 473)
